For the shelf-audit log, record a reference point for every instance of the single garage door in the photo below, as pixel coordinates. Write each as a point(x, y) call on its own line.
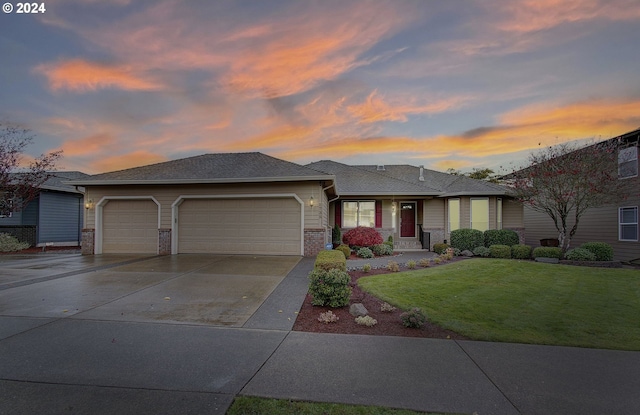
point(268, 226)
point(130, 226)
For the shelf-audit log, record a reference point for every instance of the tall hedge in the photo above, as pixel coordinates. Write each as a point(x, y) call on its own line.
point(467, 239)
point(501, 237)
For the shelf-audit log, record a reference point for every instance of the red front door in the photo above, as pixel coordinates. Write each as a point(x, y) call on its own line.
point(407, 220)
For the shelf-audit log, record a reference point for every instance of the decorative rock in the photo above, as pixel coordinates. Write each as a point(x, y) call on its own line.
point(466, 253)
point(548, 260)
point(358, 310)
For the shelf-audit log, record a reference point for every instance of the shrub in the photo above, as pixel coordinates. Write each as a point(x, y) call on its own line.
point(389, 242)
point(329, 287)
point(413, 318)
point(387, 308)
point(580, 254)
point(345, 250)
point(366, 321)
point(440, 248)
point(521, 251)
point(437, 260)
point(331, 259)
point(382, 249)
point(501, 237)
point(364, 253)
point(466, 238)
point(602, 250)
point(9, 243)
point(336, 234)
point(393, 266)
point(547, 252)
point(328, 317)
point(411, 264)
point(424, 262)
point(481, 251)
point(362, 236)
point(366, 267)
point(500, 251)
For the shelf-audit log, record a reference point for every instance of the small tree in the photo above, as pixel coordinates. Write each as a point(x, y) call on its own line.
point(565, 180)
point(18, 186)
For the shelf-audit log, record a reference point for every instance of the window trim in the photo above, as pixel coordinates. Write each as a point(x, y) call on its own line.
point(631, 160)
point(620, 223)
point(499, 207)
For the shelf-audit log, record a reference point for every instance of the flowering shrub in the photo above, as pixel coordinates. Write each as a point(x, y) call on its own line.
point(393, 266)
point(366, 321)
point(365, 253)
point(413, 318)
point(386, 307)
point(328, 317)
point(362, 236)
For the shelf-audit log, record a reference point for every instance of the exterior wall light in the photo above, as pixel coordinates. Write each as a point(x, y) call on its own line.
point(311, 201)
point(88, 204)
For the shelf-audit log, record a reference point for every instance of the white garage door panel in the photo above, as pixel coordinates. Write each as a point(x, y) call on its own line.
point(130, 226)
point(240, 226)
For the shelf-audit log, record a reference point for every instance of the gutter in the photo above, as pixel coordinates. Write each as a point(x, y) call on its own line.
point(116, 182)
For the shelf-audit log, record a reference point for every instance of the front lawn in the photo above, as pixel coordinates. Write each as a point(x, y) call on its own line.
point(522, 301)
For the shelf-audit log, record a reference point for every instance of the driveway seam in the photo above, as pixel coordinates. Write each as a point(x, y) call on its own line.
point(488, 377)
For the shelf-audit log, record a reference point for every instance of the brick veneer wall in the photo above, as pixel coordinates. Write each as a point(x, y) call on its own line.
point(164, 241)
point(88, 241)
point(314, 241)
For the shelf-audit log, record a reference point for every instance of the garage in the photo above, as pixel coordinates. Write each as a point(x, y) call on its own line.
point(130, 226)
point(256, 225)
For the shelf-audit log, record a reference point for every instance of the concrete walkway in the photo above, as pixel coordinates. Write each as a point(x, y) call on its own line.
point(91, 366)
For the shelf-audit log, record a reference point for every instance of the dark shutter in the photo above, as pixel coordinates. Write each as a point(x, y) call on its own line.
point(338, 208)
point(378, 213)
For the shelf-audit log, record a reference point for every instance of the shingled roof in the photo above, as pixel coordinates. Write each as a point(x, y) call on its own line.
point(210, 168)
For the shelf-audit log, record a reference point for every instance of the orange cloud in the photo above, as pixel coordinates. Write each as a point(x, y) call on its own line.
point(78, 75)
point(125, 161)
point(95, 144)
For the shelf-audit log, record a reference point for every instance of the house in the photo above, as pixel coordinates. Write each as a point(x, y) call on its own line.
point(54, 216)
point(252, 203)
point(417, 206)
point(233, 203)
point(616, 224)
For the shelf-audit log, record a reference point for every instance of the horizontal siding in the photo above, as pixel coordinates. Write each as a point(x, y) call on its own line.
point(166, 195)
point(512, 214)
point(60, 217)
point(434, 214)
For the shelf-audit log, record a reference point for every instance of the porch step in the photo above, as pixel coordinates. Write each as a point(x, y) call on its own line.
point(407, 245)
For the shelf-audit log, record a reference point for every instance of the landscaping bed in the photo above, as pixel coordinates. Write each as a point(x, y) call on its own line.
point(389, 323)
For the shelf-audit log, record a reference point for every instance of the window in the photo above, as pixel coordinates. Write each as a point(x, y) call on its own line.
point(499, 213)
point(628, 162)
point(359, 213)
point(454, 214)
point(480, 214)
point(6, 208)
point(628, 223)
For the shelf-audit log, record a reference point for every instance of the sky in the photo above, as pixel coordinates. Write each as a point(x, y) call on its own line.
point(445, 84)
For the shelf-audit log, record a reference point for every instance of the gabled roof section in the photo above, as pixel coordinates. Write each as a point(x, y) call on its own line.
point(354, 181)
point(58, 181)
point(210, 168)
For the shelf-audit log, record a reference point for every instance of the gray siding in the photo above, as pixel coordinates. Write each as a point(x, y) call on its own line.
point(60, 217)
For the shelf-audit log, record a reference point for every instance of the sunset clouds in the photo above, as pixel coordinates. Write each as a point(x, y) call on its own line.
point(459, 85)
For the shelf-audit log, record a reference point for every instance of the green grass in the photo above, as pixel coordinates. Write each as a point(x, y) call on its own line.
point(245, 405)
point(522, 301)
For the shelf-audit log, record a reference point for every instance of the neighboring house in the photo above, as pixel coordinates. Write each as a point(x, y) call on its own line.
point(234, 203)
point(417, 206)
point(54, 217)
point(615, 224)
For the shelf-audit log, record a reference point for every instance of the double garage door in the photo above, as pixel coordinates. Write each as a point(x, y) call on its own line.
point(268, 226)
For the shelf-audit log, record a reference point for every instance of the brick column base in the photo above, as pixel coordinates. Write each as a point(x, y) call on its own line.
point(314, 241)
point(88, 242)
point(164, 241)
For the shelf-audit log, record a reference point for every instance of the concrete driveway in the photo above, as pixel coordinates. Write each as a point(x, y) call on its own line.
point(215, 290)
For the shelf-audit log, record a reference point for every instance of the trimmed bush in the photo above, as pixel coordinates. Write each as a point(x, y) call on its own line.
point(466, 239)
point(9, 243)
point(362, 236)
point(501, 237)
point(440, 248)
point(521, 252)
point(580, 254)
point(364, 253)
point(345, 250)
point(500, 251)
point(329, 287)
point(382, 249)
point(481, 251)
point(331, 259)
point(413, 318)
point(602, 250)
point(547, 252)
